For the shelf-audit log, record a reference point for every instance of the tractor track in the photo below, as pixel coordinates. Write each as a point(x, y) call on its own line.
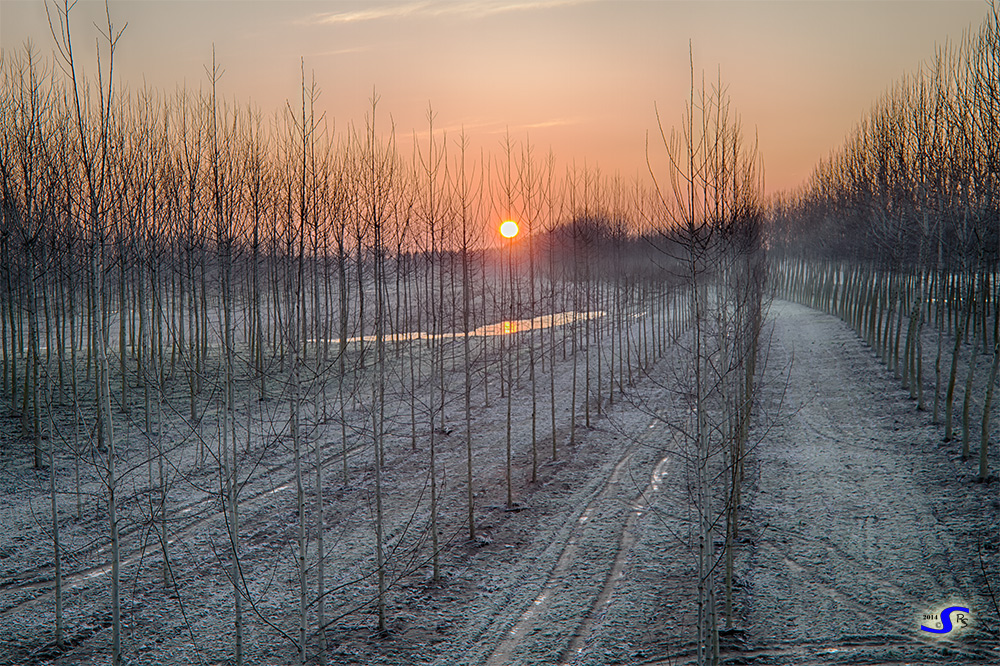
point(560, 581)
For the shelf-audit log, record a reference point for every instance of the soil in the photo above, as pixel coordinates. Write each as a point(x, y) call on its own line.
point(859, 520)
point(864, 519)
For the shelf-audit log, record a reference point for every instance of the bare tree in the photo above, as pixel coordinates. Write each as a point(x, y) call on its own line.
point(711, 211)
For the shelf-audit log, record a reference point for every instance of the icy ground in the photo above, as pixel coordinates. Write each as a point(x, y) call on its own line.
point(859, 521)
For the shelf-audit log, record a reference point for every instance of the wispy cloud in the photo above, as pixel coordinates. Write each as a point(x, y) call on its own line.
point(554, 122)
point(494, 126)
point(338, 52)
point(471, 127)
point(390, 11)
point(438, 8)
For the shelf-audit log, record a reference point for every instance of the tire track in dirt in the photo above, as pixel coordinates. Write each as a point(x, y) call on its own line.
point(853, 650)
point(578, 641)
point(504, 652)
point(533, 616)
point(845, 600)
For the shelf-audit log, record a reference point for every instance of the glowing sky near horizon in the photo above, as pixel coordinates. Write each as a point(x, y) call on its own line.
point(578, 76)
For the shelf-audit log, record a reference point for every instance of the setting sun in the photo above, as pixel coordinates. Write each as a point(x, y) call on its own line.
point(508, 229)
point(707, 187)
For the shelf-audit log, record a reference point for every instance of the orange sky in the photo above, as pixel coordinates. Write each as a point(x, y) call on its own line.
point(578, 76)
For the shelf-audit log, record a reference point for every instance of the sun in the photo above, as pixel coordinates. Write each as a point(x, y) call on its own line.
point(508, 229)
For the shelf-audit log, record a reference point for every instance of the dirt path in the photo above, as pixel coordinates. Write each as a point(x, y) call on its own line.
point(864, 520)
point(860, 521)
point(560, 579)
point(562, 589)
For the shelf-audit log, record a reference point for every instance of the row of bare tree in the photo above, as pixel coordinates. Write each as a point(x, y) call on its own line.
point(189, 291)
point(712, 203)
point(901, 227)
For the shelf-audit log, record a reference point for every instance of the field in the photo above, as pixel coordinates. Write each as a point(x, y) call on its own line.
point(274, 392)
point(592, 565)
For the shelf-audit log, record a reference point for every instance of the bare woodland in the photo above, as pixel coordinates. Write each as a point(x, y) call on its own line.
point(267, 380)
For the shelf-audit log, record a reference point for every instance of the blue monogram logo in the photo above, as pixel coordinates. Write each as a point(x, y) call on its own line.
point(946, 625)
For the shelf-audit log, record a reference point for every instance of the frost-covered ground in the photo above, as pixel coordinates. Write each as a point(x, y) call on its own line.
point(864, 519)
point(859, 521)
point(486, 584)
